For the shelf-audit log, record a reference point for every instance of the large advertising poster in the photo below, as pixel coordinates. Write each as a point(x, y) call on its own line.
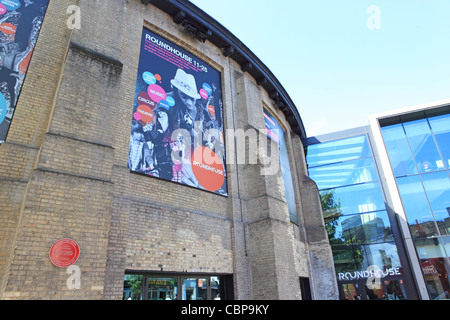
point(20, 24)
point(275, 132)
point(177, 123)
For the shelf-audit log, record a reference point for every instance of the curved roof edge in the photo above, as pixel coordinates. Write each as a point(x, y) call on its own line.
point(203, 27)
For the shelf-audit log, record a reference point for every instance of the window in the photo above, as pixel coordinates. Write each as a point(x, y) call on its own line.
point(177, 287)
point(440, 125)
point(398, 149)
point(276, 133)
point(423, 146)
point(419, 153)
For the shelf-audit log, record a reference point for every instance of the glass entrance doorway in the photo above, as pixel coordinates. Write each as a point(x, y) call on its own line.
point(360, 290)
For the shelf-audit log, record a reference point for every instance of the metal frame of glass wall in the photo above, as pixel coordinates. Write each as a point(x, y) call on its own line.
point(369, 257)
point(418, 146)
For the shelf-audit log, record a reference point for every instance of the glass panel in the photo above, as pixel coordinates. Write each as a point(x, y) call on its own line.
point(416, 207)
point(446, 242)
point(357, 258)
point(194, 289)
point(435, 266)
point(350, 291)
point(437, 187)
point(216, 288)
point(398, 150)
point(359, 198)
point(441, 129)
point(339, 150)
point(132, 287)
point(423, 146)
point(375, 292)
point(287, 179)
point(276, 133)
point(344, 173)
point(443, 222)
point(162, 288)
point(373, 227)
point(395, 290)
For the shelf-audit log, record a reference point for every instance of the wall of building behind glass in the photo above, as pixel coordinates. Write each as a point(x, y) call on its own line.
point(356, 218)
point(419, 153)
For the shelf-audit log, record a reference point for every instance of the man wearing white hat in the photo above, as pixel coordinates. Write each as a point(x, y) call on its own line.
point(185, 95)
point(183, 114)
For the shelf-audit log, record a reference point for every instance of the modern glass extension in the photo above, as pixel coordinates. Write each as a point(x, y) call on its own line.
point(366, 257)
point(419, 152)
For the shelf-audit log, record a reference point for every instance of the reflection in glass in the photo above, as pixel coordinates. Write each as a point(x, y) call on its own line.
point(344, 173)
point(440, 125)
point(359, 257)
point(437, 188)
point(215, 288)
point(162, 288)
point(132, 287)
point(416, 207)
point(358, 198)
point(350, 291)
point(423, 146)
point(435, 267)
point(194, 289)
point(395, 290)
point(373, 227)
point(338, 150)
point(398, 150)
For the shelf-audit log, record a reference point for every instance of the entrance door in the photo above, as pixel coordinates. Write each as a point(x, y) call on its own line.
point(386, 289)
point(162, 288)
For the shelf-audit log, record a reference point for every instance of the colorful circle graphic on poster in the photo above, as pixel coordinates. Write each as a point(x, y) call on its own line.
point(137, 116)
point(170, 101)
point(7, 28)
point(11, 4)
point(2, 9)
point(204, 94)
point(207, 88)
point(149, 78)
point(144, 98)
point(208, 169)
point(3, 107)
point(146, 113)
point(64, 253)
point(156, 93)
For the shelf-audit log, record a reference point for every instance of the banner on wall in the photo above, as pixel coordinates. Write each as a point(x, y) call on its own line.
point(275, 132)
point(20, 24)
point(177, 123)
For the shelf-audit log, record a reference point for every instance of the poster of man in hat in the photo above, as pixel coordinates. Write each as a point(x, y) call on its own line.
point(178, 106)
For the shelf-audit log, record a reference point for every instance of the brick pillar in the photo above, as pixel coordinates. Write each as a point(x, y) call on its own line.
point(269, 236)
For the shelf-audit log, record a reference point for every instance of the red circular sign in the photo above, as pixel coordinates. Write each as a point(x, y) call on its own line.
point(64, 253)
point(208, 169)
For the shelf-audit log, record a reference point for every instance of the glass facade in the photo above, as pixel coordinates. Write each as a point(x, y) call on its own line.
point(419, 153)
point(365, 254)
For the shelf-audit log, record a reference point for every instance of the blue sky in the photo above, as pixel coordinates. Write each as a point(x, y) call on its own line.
point(335, 68)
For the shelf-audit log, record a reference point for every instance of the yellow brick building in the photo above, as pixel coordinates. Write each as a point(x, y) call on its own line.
point(64, 172)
